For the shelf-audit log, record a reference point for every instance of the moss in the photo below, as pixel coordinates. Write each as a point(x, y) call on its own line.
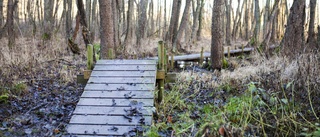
point(4, 98)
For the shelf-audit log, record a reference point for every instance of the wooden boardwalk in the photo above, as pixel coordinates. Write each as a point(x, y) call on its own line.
point(117, 100)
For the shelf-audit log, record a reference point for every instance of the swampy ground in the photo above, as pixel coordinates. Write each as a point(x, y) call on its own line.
point(252, 96)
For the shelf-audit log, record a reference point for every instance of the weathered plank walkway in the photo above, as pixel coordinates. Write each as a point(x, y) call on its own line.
point(117, 100)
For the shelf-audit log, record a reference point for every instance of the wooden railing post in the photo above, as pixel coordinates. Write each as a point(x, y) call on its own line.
point(161, 72)
point(228, 52)
point(201, 57)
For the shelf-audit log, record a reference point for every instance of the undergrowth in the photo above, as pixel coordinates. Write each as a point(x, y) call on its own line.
point(258, 97)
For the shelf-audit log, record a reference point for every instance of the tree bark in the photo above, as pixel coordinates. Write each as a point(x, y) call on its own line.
point(1, 13)
point(195, 16)
point(129, 35)
point(68, 23)
point(217, 35)
point(257, 17)
point(48, 19)
point(293, 40)
point(200, 21)
point(106, 34)
point(182, 27)
point(311, 35)
point(173, 27)
point(228, 23)
point(9, 24)
point(265, 18)
point(142, 21)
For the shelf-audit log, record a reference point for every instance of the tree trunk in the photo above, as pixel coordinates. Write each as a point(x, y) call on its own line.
point(217, 35)
point(129, 35)
point(1, 13)
point(236, 21)
point(48, 19)
point(142, 21)
point(228, 23)
point(68, 6)
point(93, 20)
point(182, 27)
point(151, 19)
point(9, 24)
point(200, 21)
point(265, 18)
point(173, 27)
point(116, 23)
point(106, 33)
point(88, 13)
point(311, 35)
point(257, 17)
point(293, 40)
point(195, 16)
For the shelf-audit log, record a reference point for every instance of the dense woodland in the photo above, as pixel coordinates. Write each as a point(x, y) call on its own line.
point(271, 92)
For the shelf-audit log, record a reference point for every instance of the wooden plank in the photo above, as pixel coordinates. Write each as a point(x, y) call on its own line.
point(119, 87)
point(99, 130)
point(140, 68)
point(110, 120)
point(111, 111)
point(118, 94)
point(205, 55)
point(104, 80)
point(112, 102)
point(134, 62)
point(123, 73)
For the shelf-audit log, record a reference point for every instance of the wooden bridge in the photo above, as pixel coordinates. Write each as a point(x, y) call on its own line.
point(117, 100)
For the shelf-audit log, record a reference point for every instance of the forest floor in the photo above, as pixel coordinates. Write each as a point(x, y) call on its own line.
point(252, 96)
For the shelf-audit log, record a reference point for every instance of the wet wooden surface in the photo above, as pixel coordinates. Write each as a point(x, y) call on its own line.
point(117, 100)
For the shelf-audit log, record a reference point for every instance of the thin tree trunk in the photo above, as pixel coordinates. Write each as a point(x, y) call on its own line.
point(236, 21)
point(142, 21)
point(200, 21)
point(48, 19)
point(195, 16)
point(151, 19)
point(115, 15)
point(9, 24)
point(265, 18)
point(174, 21)
point(247, 20)
point(217, 35)
point(164, 20)
point(88, 13)
point(93, 20)
point(184, 21)
point(311, 34)
point(257, 17)
point(1, 13)
point(129, 35)
point(228, 23)
point(107, 34)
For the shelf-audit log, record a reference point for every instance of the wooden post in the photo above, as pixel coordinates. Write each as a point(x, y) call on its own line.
point(110, 54)
point(242, 49)
point(201, 57)
point(228, 52)
point(172, 61)
point(89, 57)
point(161, 70)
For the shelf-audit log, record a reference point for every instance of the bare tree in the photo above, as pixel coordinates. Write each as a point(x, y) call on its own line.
point(311, 34)
point(200, 20)
point(67, 7)
point(182, 27)
point(142, 21)
point(293, 40)
point(1, 12)
point(257, 17)
point(228, 23)
point(129, 34)
point(217, 35)
point(48, 19)
point(107, 31)
point(173, 27)
point(10, 22)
